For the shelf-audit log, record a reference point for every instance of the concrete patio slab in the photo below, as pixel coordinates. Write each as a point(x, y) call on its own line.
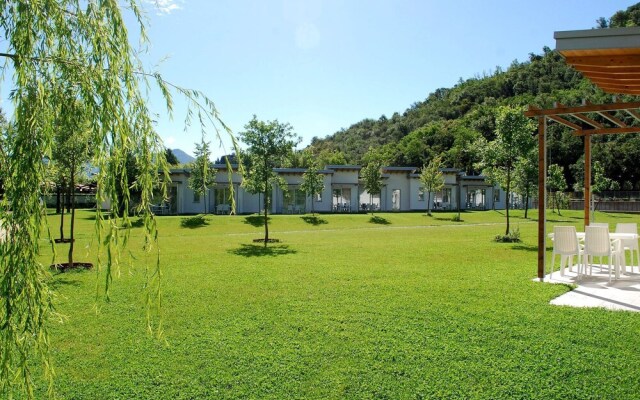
point(596, 291)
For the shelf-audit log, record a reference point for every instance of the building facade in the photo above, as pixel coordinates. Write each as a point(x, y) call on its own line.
point(343, 193)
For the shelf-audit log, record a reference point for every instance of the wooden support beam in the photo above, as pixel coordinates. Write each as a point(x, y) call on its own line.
point(587, 180)
point(582, 118)
point(588, 120)
point(613, 119)
point(634, 114)
point(615, 80)
point(604, 73)
point(611, 61)
point(542, 201)
point(607, 131)
point(534, 112)
point(564, 122)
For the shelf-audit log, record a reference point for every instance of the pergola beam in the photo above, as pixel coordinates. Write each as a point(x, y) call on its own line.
point(564, 122)
point(589, 108)
point(613, 119)
point(607, 131)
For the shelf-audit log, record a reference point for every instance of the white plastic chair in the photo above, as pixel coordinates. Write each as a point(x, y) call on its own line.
point(565, 243)
point(629, 244)
point(598, 244)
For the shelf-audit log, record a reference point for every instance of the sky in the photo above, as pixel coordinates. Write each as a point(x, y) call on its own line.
point(322, 65)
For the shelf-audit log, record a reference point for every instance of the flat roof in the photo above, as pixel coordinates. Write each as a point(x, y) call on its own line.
point(610, 57)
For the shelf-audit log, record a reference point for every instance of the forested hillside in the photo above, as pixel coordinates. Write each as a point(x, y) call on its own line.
point(450, 120)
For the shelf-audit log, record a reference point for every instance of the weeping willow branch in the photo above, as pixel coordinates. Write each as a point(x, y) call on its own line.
point(82, 48)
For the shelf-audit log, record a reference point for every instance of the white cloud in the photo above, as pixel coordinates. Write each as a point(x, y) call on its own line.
point(165, 7)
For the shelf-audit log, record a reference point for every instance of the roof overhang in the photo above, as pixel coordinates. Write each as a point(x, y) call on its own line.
point(610, 58)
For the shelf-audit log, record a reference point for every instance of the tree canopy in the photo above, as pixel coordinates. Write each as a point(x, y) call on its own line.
point(269, 143)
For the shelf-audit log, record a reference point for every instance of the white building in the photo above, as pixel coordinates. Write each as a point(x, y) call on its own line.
point(343, 192)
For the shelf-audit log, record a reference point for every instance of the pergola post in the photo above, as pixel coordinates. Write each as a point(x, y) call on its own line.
point(587, 179)
point(542, 196)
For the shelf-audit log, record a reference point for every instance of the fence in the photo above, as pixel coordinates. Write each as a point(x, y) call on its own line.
point(83, 200)
point(615, 201)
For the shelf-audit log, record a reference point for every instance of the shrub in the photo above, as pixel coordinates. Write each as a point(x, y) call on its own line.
point(512, 237)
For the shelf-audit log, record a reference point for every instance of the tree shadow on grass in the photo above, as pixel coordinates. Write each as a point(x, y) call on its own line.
point(314, 220)
point(256, 220)
point(194, 222)
point(61, 282)
point(255, 250)
point(528, 247)
point(379, 220)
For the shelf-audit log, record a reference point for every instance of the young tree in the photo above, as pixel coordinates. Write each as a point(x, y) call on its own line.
point(556, 183)
point(203, 175)
point(83, 46)
point(525, 178)
point(71, 151)
point(372, 179)
point(600, 183)
point(431, 179)
point(513, 141)
point(312, 183)
point(268, 145)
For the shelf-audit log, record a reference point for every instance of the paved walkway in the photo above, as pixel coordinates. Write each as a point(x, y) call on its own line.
point(596, 291)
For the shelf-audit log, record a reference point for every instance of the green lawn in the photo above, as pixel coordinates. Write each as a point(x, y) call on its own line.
point(403, 307)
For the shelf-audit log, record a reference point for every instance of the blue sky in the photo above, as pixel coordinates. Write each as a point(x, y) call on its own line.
point(322, 65)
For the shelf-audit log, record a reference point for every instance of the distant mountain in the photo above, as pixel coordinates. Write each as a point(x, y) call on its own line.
point(182, 157)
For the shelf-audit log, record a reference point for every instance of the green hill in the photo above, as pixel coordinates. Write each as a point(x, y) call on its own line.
point(450, 120)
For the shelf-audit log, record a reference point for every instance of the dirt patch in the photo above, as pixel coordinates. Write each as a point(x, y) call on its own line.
point(62, 267)
point(268, 241)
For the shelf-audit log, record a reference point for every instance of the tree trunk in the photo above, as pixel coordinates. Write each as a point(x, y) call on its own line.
point(266, 219)
point(313, 211)
point(507, 199)
point(266, 211)
point(73, 217)
point(557, 204)
point(428, 203)
point(69, 191)
point(371, 203)
point(58, 195)
point(526, 204)
point(62, 214)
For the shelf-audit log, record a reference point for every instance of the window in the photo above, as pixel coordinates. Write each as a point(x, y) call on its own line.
point(421, 194)
point(395, 200)
point(223, 195)
point(496, 195)
point(196, 197)
point(294, 200)
point(319, 197)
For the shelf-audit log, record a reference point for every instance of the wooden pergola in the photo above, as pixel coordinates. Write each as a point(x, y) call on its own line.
point(610, 58)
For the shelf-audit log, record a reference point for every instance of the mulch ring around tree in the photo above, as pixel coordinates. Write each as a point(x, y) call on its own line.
point(62, 267)
point(268, 240)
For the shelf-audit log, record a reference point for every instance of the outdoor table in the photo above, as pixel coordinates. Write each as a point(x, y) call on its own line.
point(612, 236)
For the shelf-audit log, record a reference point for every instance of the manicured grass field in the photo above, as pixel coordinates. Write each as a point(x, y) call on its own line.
point(401, 307)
